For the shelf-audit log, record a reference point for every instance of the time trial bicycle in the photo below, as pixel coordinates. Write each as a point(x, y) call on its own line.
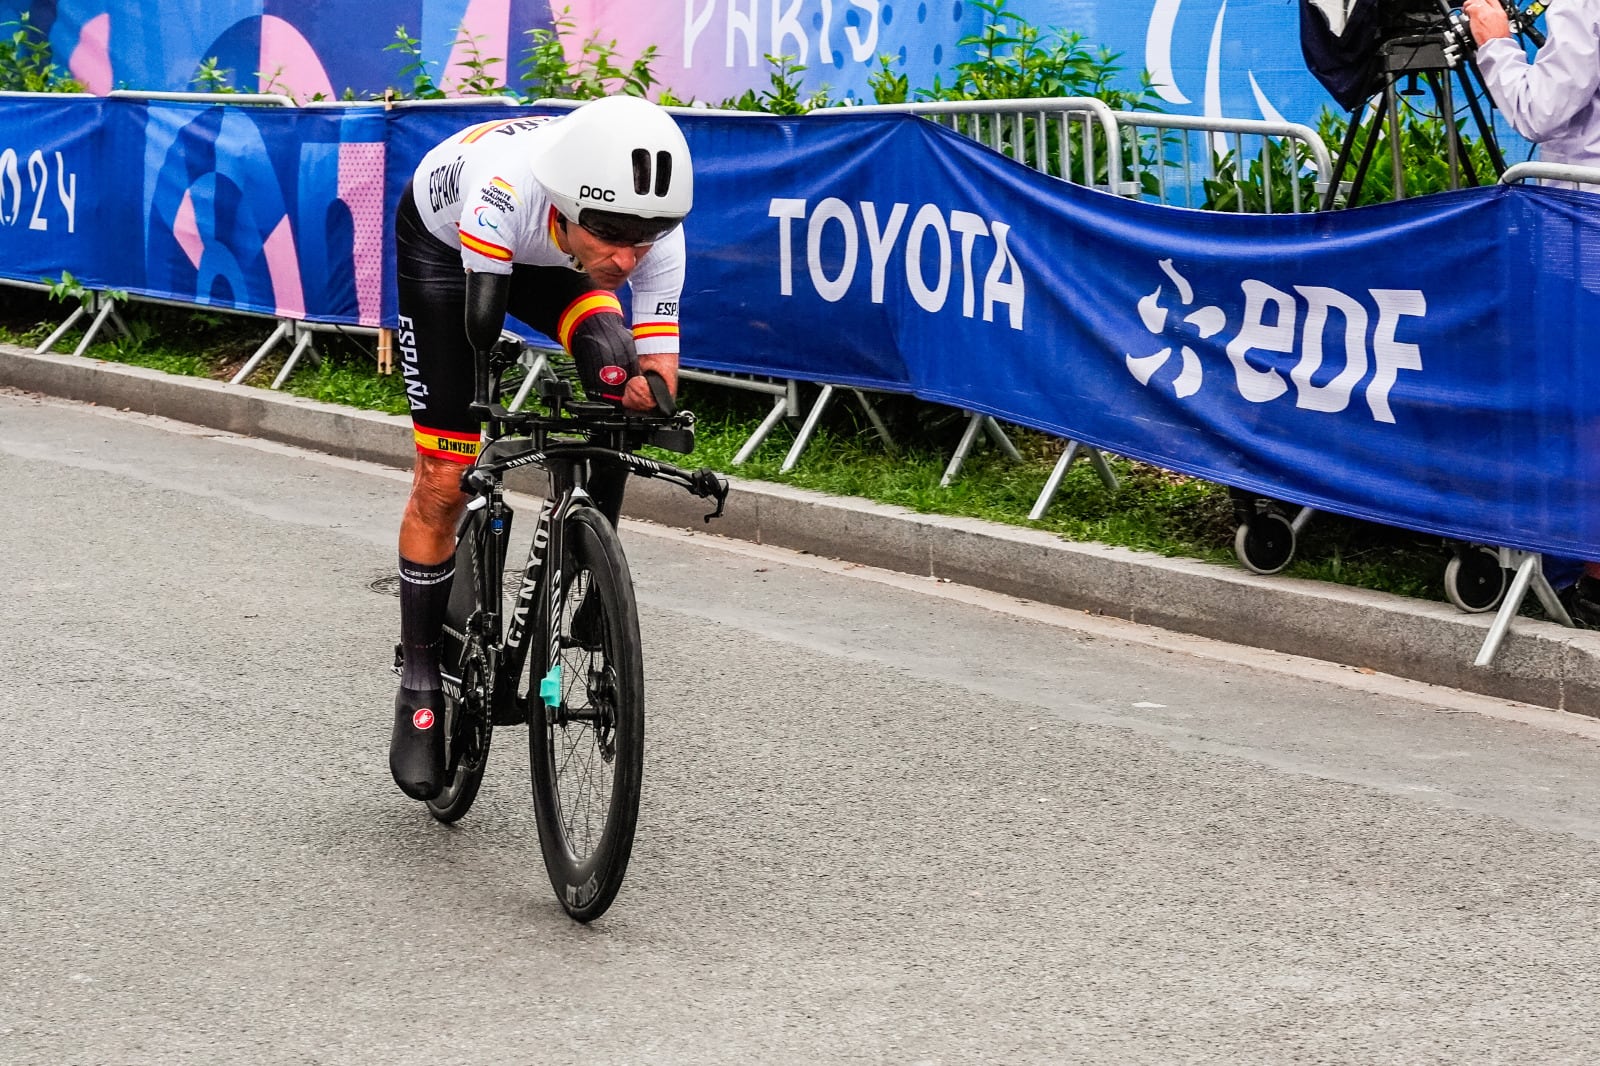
point(564, 656)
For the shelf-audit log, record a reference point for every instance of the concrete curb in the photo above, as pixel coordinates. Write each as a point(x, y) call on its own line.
point(1538, 663)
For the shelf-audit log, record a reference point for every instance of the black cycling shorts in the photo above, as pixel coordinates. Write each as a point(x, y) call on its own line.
point(435, 356)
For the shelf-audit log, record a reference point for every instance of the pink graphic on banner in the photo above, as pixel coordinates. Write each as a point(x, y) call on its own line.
point(283, 265)
point(634, 27)
point(91, 59)
point(485, 33)
point(186, 230)
point(289, 64)
point(361, 189)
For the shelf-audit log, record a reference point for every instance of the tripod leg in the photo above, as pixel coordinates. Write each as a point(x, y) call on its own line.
point(1375, 124)
point(1397, 165)
point(1485, 128)
point(1345, 149)
point(1445, 102)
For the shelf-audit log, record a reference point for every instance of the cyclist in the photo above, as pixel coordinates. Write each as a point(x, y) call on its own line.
point(546, 219)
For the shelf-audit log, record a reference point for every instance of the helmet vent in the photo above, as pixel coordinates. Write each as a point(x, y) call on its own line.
point(641, 171)
point(663, 172)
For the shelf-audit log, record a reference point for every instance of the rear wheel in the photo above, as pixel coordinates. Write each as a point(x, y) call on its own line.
point(466, 719)
point(586, 730)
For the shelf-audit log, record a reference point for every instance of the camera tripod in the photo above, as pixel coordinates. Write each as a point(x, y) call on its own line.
point(1428, 58)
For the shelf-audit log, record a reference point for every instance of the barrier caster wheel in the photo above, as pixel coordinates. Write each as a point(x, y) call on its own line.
point(1474, 580)
point(1264, 542)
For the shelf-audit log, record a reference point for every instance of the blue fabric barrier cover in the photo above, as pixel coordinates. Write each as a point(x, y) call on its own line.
point(1420, 364)
point(54, 168)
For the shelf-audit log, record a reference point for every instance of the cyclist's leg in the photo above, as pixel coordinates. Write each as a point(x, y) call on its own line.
point(437, 364)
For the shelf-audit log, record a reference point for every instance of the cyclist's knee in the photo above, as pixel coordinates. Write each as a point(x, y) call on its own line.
point(436, 496)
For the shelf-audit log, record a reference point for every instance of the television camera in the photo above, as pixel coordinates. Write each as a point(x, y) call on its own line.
point(1360, 50)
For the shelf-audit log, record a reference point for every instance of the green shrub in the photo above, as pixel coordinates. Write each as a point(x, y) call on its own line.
point(27, 64)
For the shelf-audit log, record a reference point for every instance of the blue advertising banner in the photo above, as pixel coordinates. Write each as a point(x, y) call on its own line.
point(272, 210)
point(1417, 363)
point(54, 170)
point(1421, 364)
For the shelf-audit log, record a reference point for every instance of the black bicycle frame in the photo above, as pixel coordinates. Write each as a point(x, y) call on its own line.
point(504, 642)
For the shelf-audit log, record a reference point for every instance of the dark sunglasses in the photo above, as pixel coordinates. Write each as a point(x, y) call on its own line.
point(613, 227)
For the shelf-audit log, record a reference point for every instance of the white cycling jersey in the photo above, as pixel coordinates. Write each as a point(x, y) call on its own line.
point(476, 192)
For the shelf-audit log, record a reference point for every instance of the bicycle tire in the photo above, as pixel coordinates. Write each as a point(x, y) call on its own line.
point(573, 755)
point(467, 744)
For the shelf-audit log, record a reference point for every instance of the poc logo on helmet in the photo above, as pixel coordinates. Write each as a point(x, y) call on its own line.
point(594, 192)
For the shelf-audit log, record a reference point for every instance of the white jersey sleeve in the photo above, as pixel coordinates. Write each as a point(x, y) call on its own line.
point(657, 286)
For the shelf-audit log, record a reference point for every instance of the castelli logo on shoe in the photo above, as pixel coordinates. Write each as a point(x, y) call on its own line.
point(613, 375)
point(422, 719)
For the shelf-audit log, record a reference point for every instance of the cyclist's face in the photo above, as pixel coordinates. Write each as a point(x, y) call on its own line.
point(607, 263)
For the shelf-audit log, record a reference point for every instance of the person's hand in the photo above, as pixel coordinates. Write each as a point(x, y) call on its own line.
point(1488, 20)
point(636, 395)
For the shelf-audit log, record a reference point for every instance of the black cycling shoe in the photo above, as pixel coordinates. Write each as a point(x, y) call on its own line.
point(416, 747)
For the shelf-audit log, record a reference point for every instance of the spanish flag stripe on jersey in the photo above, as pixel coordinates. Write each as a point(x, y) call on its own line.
point(593, 303)
point(478, 132)
point(484, 248)
point(447, 444)
point(655, 329)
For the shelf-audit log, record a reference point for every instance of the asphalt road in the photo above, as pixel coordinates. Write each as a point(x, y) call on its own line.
point(884, 819)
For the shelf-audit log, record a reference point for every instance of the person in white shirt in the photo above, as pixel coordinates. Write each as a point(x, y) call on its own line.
point(544, 218)
point(1553, 100)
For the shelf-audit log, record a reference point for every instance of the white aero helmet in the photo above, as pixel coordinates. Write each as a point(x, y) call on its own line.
point(619, 167)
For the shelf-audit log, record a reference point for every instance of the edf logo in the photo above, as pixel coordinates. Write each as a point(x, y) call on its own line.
point(1284, 323)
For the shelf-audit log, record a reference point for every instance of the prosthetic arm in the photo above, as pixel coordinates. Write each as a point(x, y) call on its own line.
point(487, 295)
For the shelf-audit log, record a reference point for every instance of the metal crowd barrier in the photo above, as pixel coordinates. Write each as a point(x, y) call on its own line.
point(1200, 142)
point(298, 334)
point(1072, 138)
point(1053, 135)
point(1082, 140)
point(1527, 568)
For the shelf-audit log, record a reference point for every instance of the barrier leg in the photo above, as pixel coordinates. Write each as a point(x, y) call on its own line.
point(60, 331)
point(963, 449)
point(779, 409)
point(1508, 608)
point(535, 369)
point(107, 308)
point(1001, 441)
point(285, 329)
point(1549, 600)
point(302, 346)
point(1052, 484)
point(878, 425)
point(1108, 476)
point(807, 430)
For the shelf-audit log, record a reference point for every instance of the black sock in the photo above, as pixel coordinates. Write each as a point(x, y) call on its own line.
point(424, 594)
